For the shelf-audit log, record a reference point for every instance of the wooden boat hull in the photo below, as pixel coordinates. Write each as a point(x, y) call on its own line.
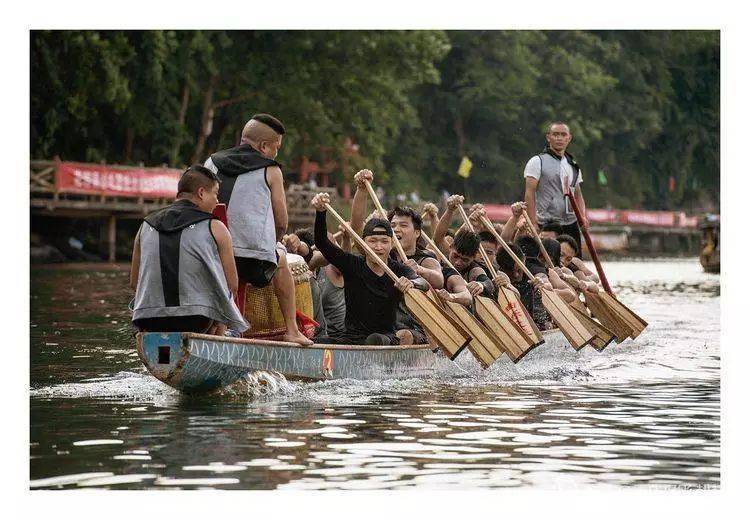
point(199, 363)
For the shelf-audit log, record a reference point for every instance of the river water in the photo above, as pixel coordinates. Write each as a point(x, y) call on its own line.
point(644, 413)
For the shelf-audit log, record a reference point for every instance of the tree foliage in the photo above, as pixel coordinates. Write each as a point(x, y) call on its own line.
point(643, 105)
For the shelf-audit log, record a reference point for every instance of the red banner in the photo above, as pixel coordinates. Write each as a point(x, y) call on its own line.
point(94, 179)
point(502, 212)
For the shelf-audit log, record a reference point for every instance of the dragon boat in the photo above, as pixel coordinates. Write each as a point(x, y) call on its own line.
point(200, 363)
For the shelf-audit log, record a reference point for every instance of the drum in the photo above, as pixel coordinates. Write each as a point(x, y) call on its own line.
point(262, 308)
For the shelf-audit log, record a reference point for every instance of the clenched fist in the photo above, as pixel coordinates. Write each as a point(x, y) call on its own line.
point(431, 210)
point(320, 200)
point(362, 177)
point(403, 284)
point(501, 280)
point(454, 201)
point(475, 288)
point(518, 208)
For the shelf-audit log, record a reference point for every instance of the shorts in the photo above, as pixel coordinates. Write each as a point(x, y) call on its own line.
point(257, 273)
point(193, 323)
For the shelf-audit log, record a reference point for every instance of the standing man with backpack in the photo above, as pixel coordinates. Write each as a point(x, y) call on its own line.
point(548, 176)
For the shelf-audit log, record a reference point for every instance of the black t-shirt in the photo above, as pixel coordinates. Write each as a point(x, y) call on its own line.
point(371, 300)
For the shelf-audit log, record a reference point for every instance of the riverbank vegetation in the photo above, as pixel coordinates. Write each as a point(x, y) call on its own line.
point(643, 105)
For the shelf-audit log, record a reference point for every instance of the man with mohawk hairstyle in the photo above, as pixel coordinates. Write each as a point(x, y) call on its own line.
point(252, 187)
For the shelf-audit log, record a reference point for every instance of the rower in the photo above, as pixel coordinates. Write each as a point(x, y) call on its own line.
point(252, 187)
point(183, 269)
point(550, 230)
point(569, 257)
point(548, 176)
point(371, 298)
point(518, 280)
point(463, 250)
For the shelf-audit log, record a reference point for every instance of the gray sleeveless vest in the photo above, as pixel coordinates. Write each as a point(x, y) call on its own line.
point(550, 197)
point(250, 216)
point(181, 275)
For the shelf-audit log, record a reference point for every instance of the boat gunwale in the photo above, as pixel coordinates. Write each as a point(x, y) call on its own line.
point(314, 346)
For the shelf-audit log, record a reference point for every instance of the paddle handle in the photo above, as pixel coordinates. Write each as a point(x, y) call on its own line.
point(589, 242)
point(486, 259)
point(384, 215)
point(539, 241)
point(360, 241)
point(515, 258)
point(438, 252)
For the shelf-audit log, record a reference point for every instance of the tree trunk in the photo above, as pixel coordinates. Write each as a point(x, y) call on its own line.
point(206, 120)
point(129, 138)
point(181, 122)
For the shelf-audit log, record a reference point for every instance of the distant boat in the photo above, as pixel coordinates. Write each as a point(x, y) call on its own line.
point(710, 256)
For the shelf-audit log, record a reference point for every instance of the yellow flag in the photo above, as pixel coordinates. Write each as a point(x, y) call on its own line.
point(464, 168)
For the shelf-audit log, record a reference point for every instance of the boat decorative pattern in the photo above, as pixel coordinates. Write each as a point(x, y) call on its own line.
point(196, 365)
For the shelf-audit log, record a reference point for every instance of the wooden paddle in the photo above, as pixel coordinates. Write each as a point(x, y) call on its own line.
point(637, 323)
point(451, 337)
point(483, 335)
point(602, 335)
point(518, 342)
point(508, 300)
point(485, 348)
point(572, 328)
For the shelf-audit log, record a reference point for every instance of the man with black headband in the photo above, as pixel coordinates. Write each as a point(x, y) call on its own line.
point(252, 187)
point(371, 296)
point(548, 176)
point(183, 269)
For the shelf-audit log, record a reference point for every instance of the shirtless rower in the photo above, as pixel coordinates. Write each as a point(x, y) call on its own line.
point(371, 297)
point(252, 187)
point(183, 270)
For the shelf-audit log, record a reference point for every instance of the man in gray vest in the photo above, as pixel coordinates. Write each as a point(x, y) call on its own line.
point(548, 176)
point(183, 269)
point(252, 187)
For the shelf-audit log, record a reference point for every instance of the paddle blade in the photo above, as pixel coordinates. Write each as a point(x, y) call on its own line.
point(512, 339)
point(635, 322)
point(602, 335)
point(608, 317)
point(516, 311)
point(485, 346)
point(571, 327)
point(451, 337)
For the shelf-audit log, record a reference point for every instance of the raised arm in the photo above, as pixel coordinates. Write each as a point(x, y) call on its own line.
point(509, 229)
point(278, 200)
point(336, 256)
point(226, 255)
point(453, 202)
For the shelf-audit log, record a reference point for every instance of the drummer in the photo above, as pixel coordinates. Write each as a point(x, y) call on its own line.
point(371, 298)
point(252, 187)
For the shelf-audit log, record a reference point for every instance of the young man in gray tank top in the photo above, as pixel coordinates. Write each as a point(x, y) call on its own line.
point(252, 187)
point(183, 270)
point(548, 177)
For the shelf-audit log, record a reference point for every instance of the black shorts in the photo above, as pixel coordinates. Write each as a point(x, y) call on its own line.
point(194, 323)
point(257, 273)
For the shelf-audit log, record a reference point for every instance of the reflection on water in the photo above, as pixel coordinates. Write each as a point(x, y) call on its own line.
point(644, 413)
